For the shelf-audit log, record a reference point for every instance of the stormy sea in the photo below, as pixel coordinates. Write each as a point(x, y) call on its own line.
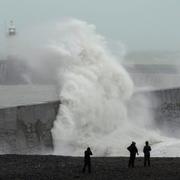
point(102, 89)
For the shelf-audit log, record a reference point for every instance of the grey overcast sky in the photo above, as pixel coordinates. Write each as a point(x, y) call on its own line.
point(139, 24)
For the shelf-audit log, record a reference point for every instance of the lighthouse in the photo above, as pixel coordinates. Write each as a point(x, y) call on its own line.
point(11, 29)
point(7, 62)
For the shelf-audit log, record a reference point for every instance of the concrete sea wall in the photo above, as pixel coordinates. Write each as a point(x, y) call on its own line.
point(167, 112)
point(27, 129)
point(164, 108)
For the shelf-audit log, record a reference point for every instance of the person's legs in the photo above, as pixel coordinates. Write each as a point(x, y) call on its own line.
point(133, 159)
point(145, 161)
point(84, 168)
point(149, 161)
point(130, 162)
point(89, 167)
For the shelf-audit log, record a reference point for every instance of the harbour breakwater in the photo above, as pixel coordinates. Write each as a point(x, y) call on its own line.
point(27, 129)
point(27, 113)
point(167, 111)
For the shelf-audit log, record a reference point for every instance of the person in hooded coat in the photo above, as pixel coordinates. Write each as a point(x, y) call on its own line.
point(133, 151)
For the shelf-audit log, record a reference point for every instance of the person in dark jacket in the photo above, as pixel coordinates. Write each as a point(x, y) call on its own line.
point(87, 160)
point(146, 151)
point(133, 151)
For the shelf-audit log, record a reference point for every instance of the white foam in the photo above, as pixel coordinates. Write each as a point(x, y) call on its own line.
point(95, 90)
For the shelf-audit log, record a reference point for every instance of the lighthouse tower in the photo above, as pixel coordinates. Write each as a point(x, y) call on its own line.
point(11, 29)
point(7, 62)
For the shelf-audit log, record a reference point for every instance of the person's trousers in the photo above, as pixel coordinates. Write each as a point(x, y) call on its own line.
point(147, 160)
point(87, 164)
point(131, 161)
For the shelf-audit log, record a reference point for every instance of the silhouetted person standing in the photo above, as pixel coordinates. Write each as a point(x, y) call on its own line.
point(146, 151)
point(87, 159)
point(133, 151)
